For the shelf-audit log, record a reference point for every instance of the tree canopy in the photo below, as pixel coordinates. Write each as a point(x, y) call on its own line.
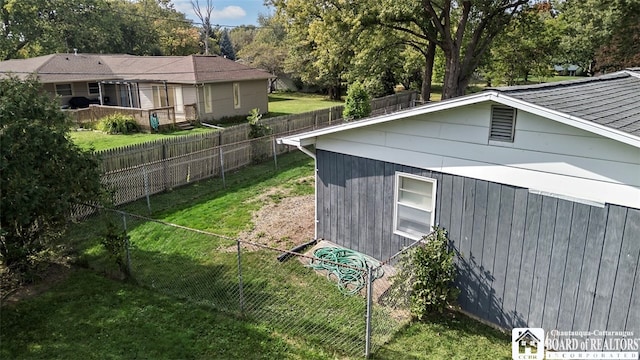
point(145, 27)
point(43, 174)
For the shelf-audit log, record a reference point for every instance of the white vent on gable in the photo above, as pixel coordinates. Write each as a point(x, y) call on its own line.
point(503, 123)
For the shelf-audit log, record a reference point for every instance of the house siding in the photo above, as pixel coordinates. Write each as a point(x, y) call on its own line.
point(524, 259)
point(545, 155)
point(252, 95)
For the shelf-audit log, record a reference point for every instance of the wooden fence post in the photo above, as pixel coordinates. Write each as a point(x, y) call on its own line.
point(224, 182)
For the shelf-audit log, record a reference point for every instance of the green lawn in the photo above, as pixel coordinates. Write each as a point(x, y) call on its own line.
point(295, 103)
point(98, 140)
point(279, 104)
point(91, 317)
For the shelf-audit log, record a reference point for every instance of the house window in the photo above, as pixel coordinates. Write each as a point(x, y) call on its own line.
point(208, 98)
point(415, 197)
point(236, 95)
point(160, 96)
point(94, 88)
point(503, 123)
point(64, 90)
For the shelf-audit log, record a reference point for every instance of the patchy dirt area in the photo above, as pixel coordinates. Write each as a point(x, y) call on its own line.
point(283, 222)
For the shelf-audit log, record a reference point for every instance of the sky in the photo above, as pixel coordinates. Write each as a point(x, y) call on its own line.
point(227, 12)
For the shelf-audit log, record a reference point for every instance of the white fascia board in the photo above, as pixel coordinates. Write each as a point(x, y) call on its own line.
point(308, 138)
point(566, 119)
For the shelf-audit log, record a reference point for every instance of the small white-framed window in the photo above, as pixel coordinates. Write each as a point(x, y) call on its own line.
point(208, 98)
point(414, 203)
point(94, 88)
point(64, 90)
point(236, 95)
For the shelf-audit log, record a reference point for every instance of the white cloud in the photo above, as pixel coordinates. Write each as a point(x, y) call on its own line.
point(229, 12)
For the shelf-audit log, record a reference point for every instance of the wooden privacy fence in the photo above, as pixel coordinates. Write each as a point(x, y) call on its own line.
point(137, 171)
point(148, 178)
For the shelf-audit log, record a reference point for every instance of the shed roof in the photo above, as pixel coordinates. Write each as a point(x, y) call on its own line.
point(607, 100)
point(190, 69)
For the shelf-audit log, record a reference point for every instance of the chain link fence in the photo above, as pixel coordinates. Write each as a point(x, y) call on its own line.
point(331, 304)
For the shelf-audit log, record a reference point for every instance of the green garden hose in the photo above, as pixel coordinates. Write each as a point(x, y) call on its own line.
point(352, 277)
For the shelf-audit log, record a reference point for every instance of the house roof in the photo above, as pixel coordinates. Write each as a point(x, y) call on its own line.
point(616, 113)
point(190, 69)
point(607, 100)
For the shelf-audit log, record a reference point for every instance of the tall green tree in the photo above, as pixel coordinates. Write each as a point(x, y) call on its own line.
point(463, 30)
point(226, 47)
point(267, 49)
point(145, 27)
point(43, 174)
point(622, 48)
point(320, 39)
point(526, 47)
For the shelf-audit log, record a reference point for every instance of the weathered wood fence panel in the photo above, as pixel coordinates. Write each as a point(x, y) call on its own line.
point(136, 171)
point(524, 259)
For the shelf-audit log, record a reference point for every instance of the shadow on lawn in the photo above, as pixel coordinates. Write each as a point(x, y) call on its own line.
point(88, 316)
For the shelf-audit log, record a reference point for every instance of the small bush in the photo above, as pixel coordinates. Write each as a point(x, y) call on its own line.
point(358, 102)
point(258, 129)
point(118, 124)
point(116, 242)
point(425, 277)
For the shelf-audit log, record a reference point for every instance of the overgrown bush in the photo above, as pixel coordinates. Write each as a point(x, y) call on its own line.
point(358, 102)
point(425, 277)
point(44, 175)
point(118, 124)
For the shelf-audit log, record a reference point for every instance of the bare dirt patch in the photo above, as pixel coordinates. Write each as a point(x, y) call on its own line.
point(283, 221)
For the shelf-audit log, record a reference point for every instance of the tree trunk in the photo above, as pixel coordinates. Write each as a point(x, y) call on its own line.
point(427, 76)
point(452, 74)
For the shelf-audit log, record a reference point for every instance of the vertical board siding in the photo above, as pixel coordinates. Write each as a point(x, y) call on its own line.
point(574, 265)
point(523, 259)
point(632, 229)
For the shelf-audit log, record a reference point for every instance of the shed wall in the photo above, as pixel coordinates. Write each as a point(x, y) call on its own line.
point(546, 155)
point(524, 259)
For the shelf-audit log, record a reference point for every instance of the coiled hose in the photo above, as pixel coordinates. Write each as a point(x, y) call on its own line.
point(352, 277)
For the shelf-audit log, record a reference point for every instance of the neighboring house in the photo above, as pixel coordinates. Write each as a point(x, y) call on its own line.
point(220, 87)
point(570, 70)
point(538, 187)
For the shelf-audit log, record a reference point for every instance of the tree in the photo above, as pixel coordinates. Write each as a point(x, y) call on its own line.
point(622, 48)
point(320, 39)
point(242, 36)
point(462, 29)
point(267, 50)
point(205, 19)
point(226, 47)
point(43, 173)
point(526, 47)
point(358, 102)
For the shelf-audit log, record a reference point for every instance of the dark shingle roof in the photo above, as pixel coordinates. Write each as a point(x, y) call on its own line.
point(611, 100)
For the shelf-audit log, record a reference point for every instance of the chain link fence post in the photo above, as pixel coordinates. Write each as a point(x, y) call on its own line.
point(127, 245)
point(240, 287)
point(367, 346)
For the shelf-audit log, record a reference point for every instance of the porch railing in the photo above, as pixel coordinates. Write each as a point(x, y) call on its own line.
point(166, 115)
